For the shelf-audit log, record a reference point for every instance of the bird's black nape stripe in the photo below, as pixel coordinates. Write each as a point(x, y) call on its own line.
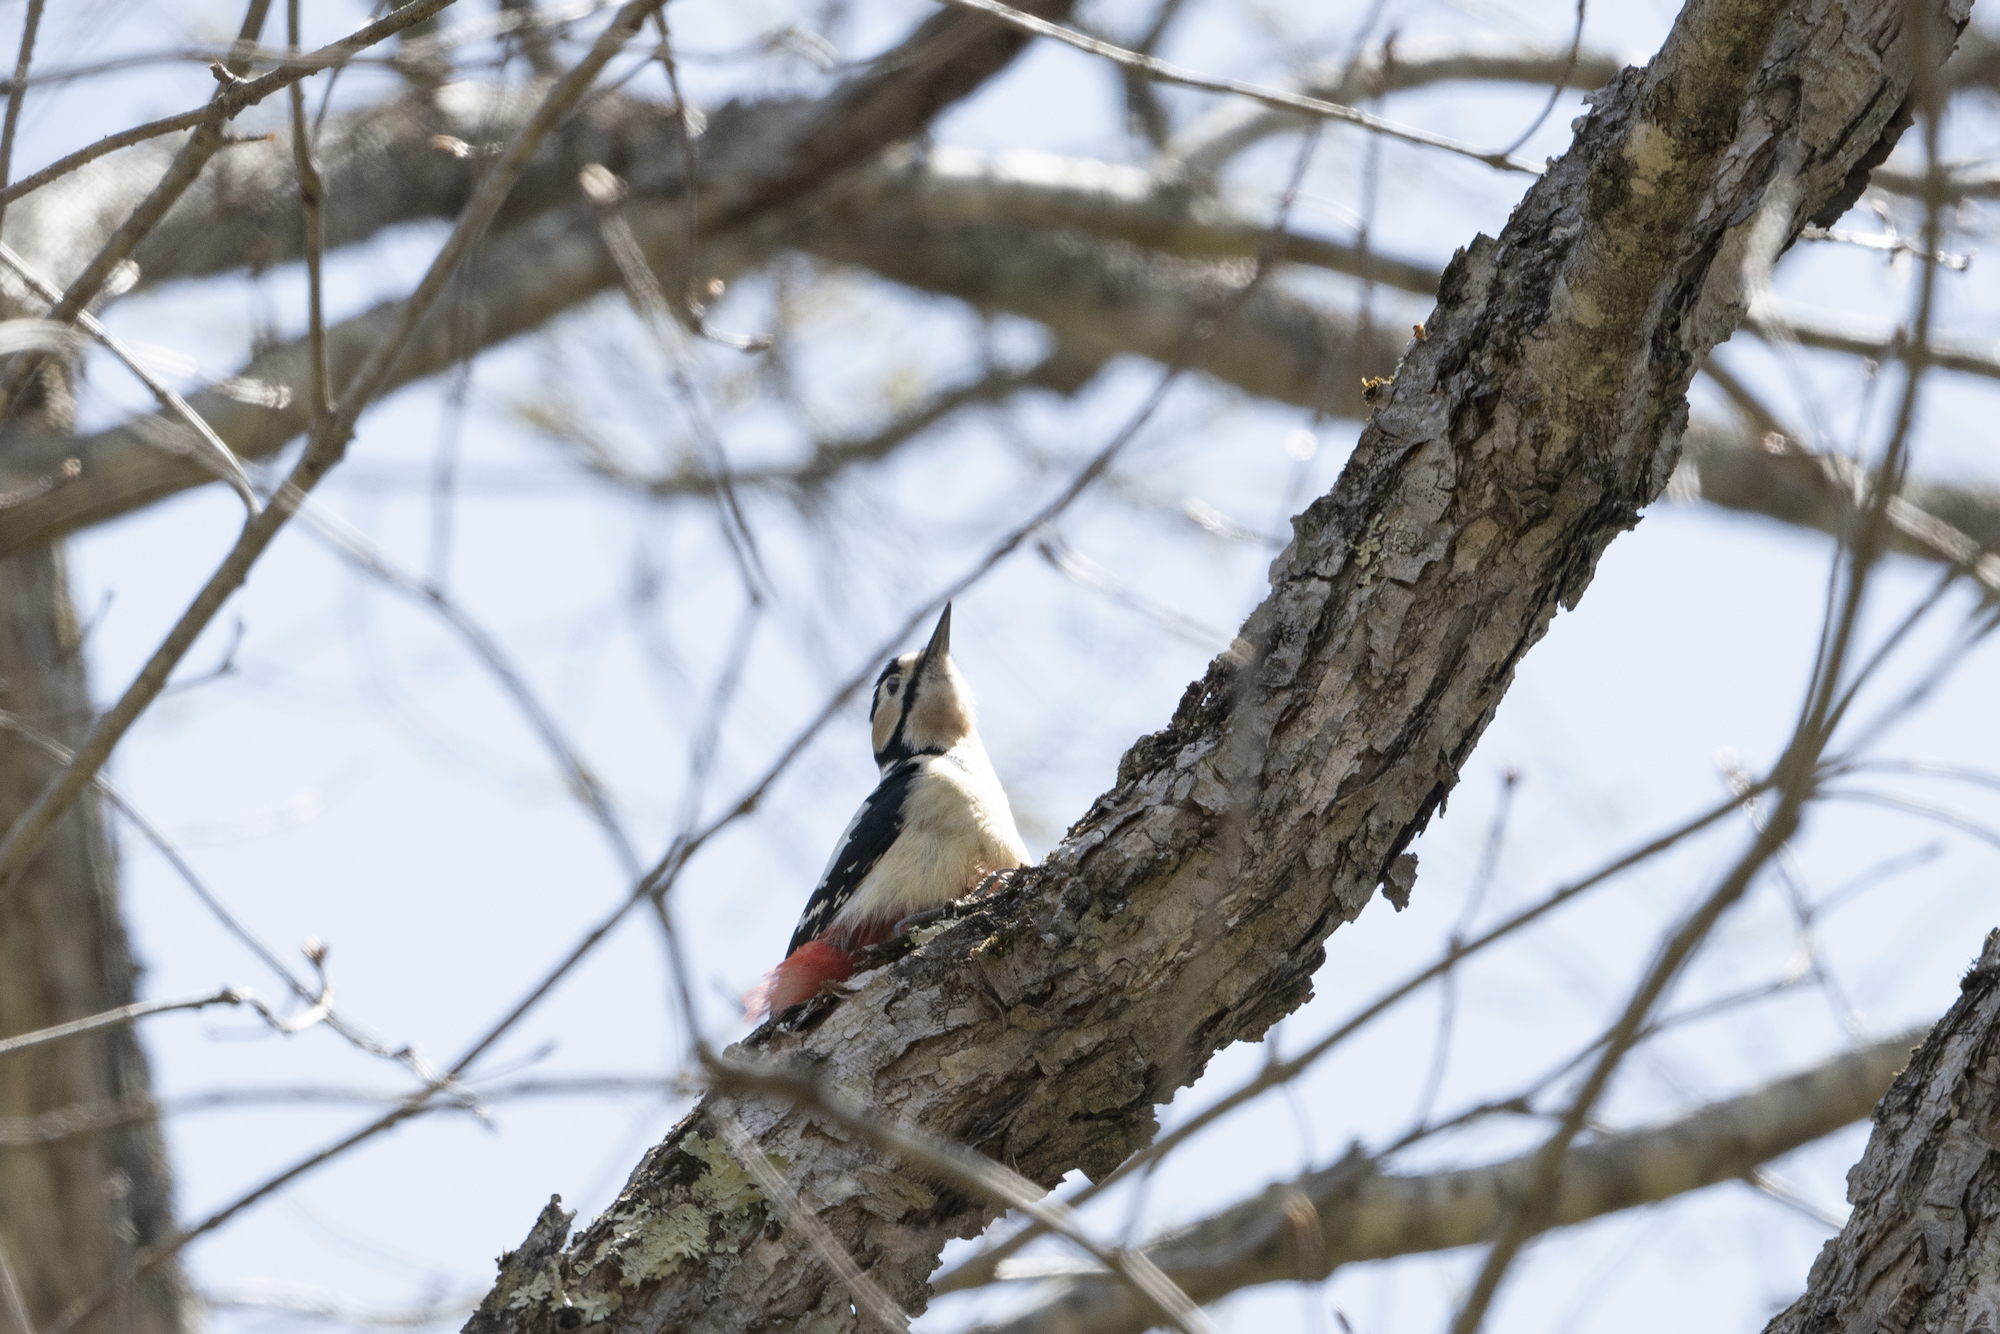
point(875, 699)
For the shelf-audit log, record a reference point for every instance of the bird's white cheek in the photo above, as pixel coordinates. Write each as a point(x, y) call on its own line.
point(887, 710)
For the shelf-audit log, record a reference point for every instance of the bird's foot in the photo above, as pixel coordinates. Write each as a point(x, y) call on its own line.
point(917, 921)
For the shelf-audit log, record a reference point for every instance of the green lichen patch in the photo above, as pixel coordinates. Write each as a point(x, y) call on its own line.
point(651, 1242)
point(725, 1186)
point(544, 1285)
point(657, 1243)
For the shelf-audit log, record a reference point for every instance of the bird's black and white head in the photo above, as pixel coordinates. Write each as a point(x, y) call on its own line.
point(922, 705)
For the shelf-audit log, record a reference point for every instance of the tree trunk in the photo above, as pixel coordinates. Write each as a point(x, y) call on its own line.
point(75, 1206)
point(1921, 1251)
point(1188, 909)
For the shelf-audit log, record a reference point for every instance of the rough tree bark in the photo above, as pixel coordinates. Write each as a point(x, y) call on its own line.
point(72, 1212)
point(1921, 1251)
point(1188, 909)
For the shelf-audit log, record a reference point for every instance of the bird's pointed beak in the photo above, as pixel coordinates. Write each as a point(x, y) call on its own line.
point(940, 646)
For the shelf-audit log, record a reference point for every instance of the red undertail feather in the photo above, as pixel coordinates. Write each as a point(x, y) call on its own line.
point(798, 979)
point(828, 959)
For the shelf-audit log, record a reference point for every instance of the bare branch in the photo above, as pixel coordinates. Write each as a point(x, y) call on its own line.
point(1200, 151)
point(124, 1014)
point(85, 288)
point(295, 1302)
point(1296, 103)
point(947, 186)
point(91, 1118)
point(1059, 372)
point(311, 193)
point(1102, 299)
point(18, 91)
point(1773, 476)
point(236, 95)
point(220, 460)
point(1363, 1215)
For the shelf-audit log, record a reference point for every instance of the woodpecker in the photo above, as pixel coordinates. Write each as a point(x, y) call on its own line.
point(935, 826)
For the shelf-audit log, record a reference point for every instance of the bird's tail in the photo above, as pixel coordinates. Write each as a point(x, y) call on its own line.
point(797, 979)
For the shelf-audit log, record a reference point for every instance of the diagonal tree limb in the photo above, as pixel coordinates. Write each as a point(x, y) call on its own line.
point(1188, 908)
point(1364, 1215)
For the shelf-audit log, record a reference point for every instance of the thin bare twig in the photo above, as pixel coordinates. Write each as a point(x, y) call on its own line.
point(17, 92)
point(310, 193)
point(298, 1303)
point(118, 1018)
point(236, 95)
point(606, 191)
point(221, 459)
point(1529, 1217)
point(1555, 92)
point(90, 1118)
point(868, 1296)
point(342, 538)
point(85, 288)
point(10, 1295)
point(359, 1038)
point(1294, 102)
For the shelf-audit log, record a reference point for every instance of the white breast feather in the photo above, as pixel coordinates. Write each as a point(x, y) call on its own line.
point(957, 830)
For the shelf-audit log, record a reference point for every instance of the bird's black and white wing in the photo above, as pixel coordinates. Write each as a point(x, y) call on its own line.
point(867, 839)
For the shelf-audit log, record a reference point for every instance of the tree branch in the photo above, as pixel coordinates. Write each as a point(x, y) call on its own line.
point(1365, 1216)
point(755, 160)
point(1206, 146)
point(1188, 908)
